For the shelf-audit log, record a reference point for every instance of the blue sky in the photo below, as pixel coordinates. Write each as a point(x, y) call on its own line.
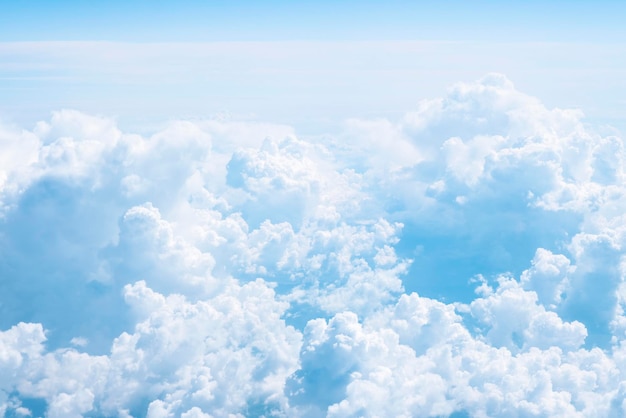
point(298, 209)
point(194, 21)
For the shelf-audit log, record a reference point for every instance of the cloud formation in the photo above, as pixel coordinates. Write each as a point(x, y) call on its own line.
point(466, 259)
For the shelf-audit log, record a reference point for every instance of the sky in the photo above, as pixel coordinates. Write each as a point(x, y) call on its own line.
point(298, 209)
point(245, 20)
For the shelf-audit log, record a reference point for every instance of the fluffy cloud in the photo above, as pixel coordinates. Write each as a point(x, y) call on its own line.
point(418, 359)
point(466, 259)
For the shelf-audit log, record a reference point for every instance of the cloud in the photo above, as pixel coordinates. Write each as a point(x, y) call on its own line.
point(229, 353)
point(418, 359)
point(548, 277)
point(515, 319)
point(467, 258)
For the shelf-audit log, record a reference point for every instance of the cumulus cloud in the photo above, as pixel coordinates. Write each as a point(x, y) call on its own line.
point(465, 259)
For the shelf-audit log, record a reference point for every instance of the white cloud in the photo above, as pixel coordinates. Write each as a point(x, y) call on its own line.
point(548, 277)
point(515, 320)
point(19, 151)
point(229, 353)
point(417, 359)
point(219, 268)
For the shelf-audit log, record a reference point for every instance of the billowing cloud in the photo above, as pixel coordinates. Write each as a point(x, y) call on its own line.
point(467, 259)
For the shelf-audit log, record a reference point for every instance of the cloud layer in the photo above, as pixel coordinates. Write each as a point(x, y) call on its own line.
point(465, 260)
